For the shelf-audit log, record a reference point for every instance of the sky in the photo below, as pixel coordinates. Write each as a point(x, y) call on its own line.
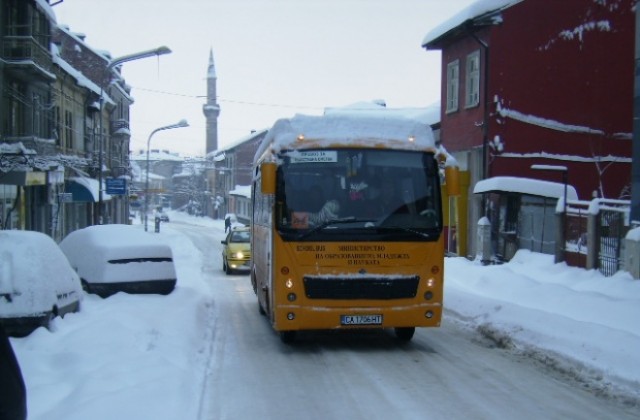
point(128, 357)
point(273, 58)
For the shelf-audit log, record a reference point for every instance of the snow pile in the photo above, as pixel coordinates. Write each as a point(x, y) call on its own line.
point(145, 356)
point(585, 322)
point(128, 356)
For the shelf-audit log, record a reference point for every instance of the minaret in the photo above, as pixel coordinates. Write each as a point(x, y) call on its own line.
point(211, 109)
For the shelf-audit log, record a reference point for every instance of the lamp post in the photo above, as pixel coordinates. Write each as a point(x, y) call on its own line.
point(182, 123)
point(116, 62)
point(565, 180)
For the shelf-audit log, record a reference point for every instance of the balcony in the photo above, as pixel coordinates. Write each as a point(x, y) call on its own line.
point(23, 53)
point(120, 128)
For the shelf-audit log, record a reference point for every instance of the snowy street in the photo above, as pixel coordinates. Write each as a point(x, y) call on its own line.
point(204, 352)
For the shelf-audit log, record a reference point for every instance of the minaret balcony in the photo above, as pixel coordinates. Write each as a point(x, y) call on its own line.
point(211, 110)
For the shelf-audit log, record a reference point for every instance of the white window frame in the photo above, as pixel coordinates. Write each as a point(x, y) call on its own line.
point(453, 85)
point(472, 87)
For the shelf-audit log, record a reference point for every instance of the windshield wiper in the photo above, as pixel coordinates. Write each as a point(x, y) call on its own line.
point(332, 222)
point(415, 232)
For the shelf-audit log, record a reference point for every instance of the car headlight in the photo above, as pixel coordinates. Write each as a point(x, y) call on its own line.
point(239, 255)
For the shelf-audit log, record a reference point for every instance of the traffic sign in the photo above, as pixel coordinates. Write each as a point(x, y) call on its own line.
point(116, 186)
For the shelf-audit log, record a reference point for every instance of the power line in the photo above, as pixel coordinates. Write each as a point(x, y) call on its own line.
point(229, 100)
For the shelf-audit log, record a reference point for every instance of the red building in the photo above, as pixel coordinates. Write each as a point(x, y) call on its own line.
point(540, 82)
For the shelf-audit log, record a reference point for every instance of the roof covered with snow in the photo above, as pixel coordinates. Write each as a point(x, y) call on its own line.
point(524, 186)
point(357, 128)
point(155, 154)
point(429, 114)
point(478, 9)
point(241, 190)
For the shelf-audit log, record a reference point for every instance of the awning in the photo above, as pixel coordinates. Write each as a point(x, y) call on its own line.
point(85, 190)
point(502, 184)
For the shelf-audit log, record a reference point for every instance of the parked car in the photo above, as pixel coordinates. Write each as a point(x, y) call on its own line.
point(37, 283)
point(159, 213)
point(120, 258)
point(236, 252)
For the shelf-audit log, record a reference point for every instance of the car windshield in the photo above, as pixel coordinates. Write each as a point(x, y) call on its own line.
point(242, 236)
point(377, 191)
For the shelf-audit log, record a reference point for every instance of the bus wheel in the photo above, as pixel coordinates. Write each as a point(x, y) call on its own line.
point(260, 308)
point(405, 333)
point(288, 337)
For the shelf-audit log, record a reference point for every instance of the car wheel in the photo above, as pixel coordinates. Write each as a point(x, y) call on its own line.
point(405, 333)
point(227, 269)
point(85, 286)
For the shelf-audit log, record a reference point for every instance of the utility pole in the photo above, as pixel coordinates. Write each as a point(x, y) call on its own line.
point(635, 164)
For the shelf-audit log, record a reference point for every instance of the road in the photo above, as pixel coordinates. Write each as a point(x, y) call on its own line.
point(444, 373)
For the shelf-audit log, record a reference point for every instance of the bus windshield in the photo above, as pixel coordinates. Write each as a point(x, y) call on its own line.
point(358, 194)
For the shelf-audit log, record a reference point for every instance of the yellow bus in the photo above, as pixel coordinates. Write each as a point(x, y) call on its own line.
point(347, 224)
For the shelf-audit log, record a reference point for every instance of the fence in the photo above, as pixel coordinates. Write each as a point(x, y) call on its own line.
point(576, 222)
point(594, 234)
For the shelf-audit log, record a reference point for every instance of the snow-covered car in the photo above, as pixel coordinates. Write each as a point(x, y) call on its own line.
point(236, 252)
point(159, 214)
point(120, 258)
point(36, 282)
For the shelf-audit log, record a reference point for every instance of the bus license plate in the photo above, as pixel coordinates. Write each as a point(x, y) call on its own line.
point(361, 319)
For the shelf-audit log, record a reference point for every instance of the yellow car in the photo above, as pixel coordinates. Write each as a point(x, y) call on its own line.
point(236, 250)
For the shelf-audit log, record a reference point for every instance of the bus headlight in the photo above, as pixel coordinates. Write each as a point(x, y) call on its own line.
point(428, 296)
point(430, 283)
point(291, 297)
point(428, 314)
point(288, 283)
point(291, 316)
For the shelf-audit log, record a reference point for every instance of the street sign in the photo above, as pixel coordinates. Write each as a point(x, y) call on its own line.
point(116, 186)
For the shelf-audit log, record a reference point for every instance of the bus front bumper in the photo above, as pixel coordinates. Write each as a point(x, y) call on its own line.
point(296, 317)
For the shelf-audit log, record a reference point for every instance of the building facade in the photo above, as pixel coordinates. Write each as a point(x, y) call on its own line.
point(103, 133)
point(517, 93)
point(233, 171)
point(27, 129)
point(65, 126)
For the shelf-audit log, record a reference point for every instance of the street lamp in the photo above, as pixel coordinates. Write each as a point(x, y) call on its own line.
point(565, 179)
point(113, 63)
point(182, 123)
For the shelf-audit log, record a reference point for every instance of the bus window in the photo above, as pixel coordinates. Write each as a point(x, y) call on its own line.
point(361, 189)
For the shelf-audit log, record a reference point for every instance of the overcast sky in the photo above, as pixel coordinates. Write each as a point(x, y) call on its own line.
point(274, 58)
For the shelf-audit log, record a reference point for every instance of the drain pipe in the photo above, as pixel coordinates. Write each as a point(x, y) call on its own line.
point(485, 119)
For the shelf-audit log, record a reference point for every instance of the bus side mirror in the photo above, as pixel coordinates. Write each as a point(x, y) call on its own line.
point(452, 179)
point(268, 177)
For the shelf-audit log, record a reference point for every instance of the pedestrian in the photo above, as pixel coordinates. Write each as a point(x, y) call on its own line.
point(13, 397)
point(227, 224)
